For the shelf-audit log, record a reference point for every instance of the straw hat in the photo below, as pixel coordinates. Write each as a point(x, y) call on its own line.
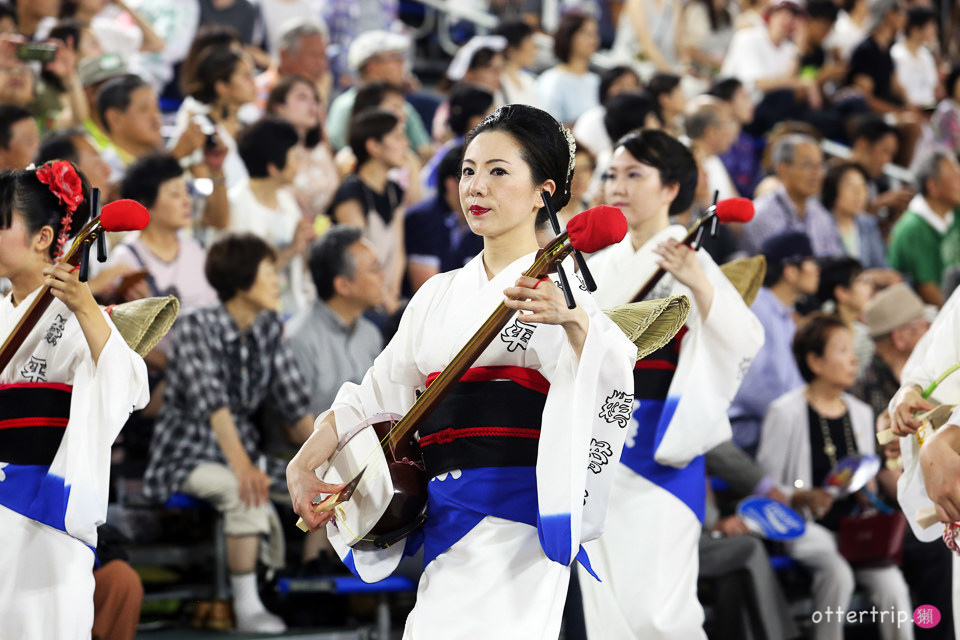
point(746, 275)
point(143, 323)
point(652, 323)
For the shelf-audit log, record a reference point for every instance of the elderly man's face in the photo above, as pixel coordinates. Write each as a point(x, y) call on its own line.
point(309, 59)
point(804, 176)
point(948, 184)
point(385, 67)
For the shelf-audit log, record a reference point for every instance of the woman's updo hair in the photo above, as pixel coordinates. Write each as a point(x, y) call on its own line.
point(22, 192)
point(544, 144)
point(670, 157)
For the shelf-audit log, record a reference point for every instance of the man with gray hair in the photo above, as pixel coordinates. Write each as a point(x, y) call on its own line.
point(926, 239)
point(795, 205)
point(301, 49)
point(712, 129)
point(331, 341)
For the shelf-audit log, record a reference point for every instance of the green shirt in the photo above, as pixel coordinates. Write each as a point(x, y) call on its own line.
point(921, 252)
point(338, 117)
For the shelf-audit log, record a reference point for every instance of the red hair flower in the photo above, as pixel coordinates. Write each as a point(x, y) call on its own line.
point(62, 180)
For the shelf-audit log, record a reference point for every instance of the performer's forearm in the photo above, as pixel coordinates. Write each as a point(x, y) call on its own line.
point(95, 330)
point(320, 445)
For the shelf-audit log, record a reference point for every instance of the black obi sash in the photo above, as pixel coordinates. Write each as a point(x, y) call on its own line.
point(33, 417)
point(491, 418)
point(653, 375)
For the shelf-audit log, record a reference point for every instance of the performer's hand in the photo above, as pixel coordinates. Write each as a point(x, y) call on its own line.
point(779, 496)
point(681, 262)
point(544, 303)
point(940, 465)
point(64, 282)
point(817, 501)
point(304, 485)
point(253, 485)
point(907, 401)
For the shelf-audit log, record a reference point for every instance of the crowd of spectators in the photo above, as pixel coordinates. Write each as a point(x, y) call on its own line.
point(302, 185)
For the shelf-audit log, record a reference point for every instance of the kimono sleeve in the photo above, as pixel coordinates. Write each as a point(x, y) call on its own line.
point(196, 373)
point(583, 429)
point(714, 357)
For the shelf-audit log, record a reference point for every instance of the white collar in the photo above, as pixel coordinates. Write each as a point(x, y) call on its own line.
point(921, 207)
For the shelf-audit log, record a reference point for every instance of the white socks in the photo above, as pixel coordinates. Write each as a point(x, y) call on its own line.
point(247, 607)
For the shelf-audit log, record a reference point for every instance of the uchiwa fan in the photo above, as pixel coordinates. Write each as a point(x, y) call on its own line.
point(651, 324)
point(143, 323)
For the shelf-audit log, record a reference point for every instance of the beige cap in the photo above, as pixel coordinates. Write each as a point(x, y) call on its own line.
point(891, 308)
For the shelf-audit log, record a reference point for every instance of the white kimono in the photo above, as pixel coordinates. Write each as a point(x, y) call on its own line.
point(501, 577)
point(647, 557)
point(49, 513)
point(937, 351)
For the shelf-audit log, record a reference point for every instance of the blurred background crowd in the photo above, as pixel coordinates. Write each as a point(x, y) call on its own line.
point(323, 138)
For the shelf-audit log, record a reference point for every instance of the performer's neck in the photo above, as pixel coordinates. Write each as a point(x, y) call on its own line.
point(502, 251)
point(25, 284)
point(641, 234)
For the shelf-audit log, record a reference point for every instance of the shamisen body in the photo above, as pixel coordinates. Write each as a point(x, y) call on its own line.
point(521, 453)
point(647, 556)
point(64, 396)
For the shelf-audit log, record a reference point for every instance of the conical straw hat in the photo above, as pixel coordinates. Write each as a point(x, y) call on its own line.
point(143, 323)
point(652, 323)
point(746, 275)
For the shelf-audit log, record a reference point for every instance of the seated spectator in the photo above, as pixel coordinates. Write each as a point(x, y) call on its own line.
point(226, 361)
point(377, 56)
point(589, 129)
point(845, 288)
point(767, 61)
point(478, 63)
point(896, 320)
point(742, 160)
point(435, 231)
point(220, 84)
point(670, 101)
point(706, 28)
point(242, 15)
point(845, 197)
point(331, 340)
point(94, 72)
point(295, 99)
point(926, 240)
point(651, 30)
point(805, 433)
point(874, 144)
point(19, 138)
point(794, 206)
point(570, 88)
point(850, 28)
point(17, 82)
point(468, 105)
point(712, 128)
point(871, 65)
point(301, 50)
point(131, 119)
point(172, 259)
point(914, 64)
point(518, 85)
point(792, 272)
point(265, 205)
point(369, 199)
point(945, 121)
point(816, 60)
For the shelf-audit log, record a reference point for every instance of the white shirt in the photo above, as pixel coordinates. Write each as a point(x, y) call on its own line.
point(845, 35)
point(524, 91)
point(753, 56)
point(917, 74)
point(590, 131)
point(718, 178)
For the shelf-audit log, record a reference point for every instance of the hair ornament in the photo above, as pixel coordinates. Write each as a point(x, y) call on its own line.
point(572, 147)
point(62, 180)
